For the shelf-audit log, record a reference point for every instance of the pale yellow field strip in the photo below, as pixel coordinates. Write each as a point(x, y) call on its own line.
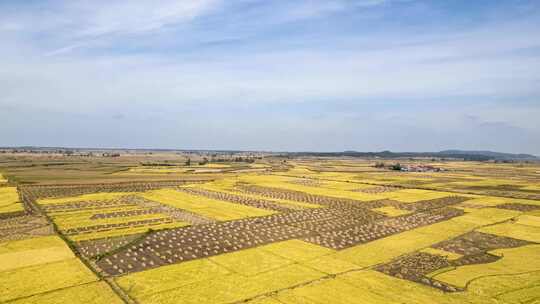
point(32, 280)
point(514, 230)
point(490, 201)
point(219, 210)
point(91, 293)
point(9, 200)
point(529, 220)
point(34, 251)
point(85, 197)
point(38, 265)
point(66, 221)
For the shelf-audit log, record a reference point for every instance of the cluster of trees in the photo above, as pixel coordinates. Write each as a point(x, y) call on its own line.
point(396, 167)
point(381, 165)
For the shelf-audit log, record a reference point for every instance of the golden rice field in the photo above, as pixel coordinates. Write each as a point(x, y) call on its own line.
point(308, 231)
point(9, 201)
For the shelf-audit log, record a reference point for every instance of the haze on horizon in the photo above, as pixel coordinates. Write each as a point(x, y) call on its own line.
point(319, 75)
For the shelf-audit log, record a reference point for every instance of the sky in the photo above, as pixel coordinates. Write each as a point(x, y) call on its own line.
point(302, 75)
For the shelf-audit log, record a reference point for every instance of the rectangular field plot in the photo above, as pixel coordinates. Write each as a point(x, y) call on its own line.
point(83, 198)
point(211, 208)
point(218, 280)
point(90, 293)
point(9, 201)
point(34, 251)
point(38, 265)
point(515, 230)
point(511, 262)
point(106, 215)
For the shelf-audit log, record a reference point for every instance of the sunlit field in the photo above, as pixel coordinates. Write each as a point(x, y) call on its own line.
point(292, 231)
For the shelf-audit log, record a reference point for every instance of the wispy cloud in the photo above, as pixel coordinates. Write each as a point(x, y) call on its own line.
point(77, 24)
point(319, 8)
point(132, 17)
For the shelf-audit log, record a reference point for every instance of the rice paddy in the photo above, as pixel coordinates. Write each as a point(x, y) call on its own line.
point(9, 201)
point(313, 231)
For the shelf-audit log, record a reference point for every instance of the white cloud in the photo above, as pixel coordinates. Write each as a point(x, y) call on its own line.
point(132, 17)
point(298, 10)
point(69, 25)
point(87, 70)
point(428, 70)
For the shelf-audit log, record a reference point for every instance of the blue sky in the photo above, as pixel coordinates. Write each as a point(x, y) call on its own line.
point(332, 75)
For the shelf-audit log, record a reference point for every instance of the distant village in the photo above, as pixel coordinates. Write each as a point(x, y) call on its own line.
point(410, 167)
point(420, 168)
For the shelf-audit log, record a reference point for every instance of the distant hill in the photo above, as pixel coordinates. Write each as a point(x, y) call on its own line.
point(461, 154)
point(495, 155)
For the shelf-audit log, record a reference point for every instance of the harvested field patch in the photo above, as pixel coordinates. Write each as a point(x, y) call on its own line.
point(474, 243)
point(391, 211)
point(425, 266)
point(242, 200)
point(40, 192)
point(189, 243)
point(415, 267)
point(307, 182)
point(377, 189)
point(368, 232)
point(97, 247)
point(511, 262)
point(329, 227)
point(293, 195)
point(518, 207)
point(26, 226)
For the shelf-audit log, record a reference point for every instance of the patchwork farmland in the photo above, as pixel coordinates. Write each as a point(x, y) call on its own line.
point(301, 230)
